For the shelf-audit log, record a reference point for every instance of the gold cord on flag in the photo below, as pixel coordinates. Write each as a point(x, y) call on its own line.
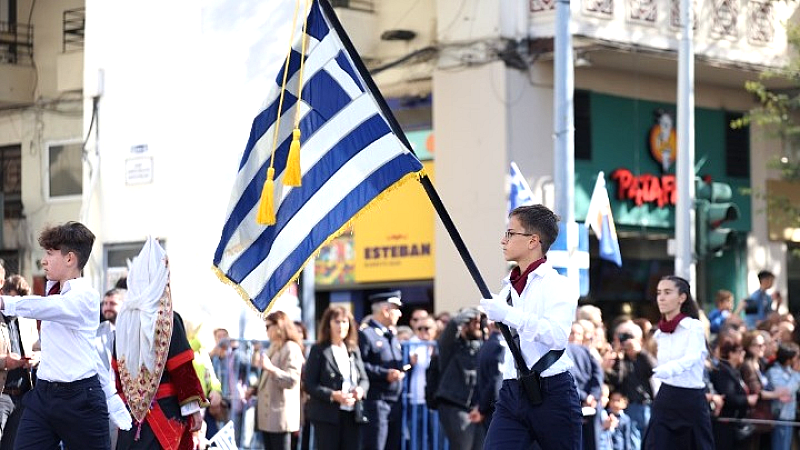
point(292, 175)
point(266, 207)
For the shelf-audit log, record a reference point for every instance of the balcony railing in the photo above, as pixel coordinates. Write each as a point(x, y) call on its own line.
point(16, 43)
point(360, 5)
point(74, 22)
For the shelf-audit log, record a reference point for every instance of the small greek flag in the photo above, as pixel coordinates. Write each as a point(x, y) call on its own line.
point(600, 219)
point(519, 193)
point(225, 439)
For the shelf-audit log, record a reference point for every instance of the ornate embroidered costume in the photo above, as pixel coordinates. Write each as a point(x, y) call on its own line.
point(153, 360)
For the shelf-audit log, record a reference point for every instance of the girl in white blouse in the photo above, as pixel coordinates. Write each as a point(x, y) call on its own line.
point(680, 415)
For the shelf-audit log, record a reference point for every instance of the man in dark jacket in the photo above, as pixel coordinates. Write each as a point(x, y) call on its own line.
point(383, 362)
point(458, 364)
point(490, 376)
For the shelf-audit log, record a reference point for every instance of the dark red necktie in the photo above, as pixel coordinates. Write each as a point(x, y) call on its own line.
point(54, 290)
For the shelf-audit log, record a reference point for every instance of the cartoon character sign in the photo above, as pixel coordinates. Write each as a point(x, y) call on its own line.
point(663, 141)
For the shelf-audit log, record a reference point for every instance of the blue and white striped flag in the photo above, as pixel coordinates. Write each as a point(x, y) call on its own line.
point(225, 439)
point(519, 193)
point(352, 152)
point(600, 219)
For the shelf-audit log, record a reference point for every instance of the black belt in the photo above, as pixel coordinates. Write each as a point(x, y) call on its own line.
point(68, 384)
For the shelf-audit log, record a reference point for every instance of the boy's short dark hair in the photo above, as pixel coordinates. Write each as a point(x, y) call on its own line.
point(540, 220)
point(765, 274)
point(69, 237)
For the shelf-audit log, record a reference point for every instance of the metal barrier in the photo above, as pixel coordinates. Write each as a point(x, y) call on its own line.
point(237, 373)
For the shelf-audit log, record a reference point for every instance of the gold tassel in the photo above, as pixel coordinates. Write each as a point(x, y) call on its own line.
point(292, 177)
point(266, 208)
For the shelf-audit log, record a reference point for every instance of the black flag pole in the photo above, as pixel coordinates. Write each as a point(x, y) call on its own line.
point(433, 196)
point(436, 201)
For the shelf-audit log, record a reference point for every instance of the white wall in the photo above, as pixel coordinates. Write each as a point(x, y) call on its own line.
point(186, 79)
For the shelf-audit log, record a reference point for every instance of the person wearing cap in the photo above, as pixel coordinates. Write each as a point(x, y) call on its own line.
point(383, 362)
point(536, 305)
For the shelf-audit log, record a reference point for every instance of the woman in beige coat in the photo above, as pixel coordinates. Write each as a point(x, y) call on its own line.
point(279, 387)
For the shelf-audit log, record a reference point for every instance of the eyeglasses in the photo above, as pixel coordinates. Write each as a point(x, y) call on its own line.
point(509, 234)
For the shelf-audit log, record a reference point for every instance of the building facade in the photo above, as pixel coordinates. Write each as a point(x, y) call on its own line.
point(131, 117)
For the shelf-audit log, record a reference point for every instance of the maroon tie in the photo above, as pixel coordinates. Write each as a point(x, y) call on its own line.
point(54, 289)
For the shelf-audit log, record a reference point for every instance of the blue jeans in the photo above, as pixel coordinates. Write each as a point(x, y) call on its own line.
point(640, 417)
point(782, 437)
point(554, 424)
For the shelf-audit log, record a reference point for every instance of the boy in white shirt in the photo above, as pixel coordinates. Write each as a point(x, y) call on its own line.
point(73, 397)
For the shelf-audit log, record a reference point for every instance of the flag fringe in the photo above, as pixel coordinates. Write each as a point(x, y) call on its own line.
point(372, 203)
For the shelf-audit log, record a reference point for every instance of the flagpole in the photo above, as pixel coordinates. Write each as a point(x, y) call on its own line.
point(433, 196)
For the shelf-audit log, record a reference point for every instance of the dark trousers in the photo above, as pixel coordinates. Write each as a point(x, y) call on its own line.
point(680, 418)
point(554, 424)
point(75, 413)
point(276, 441)
point(345, 435)
point(383, 432)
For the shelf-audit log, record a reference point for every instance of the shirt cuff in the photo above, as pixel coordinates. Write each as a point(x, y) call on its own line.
point(190, 408)
point(515, 318)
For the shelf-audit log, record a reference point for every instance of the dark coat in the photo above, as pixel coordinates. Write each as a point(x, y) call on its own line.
point(321, 377)
point(490, 377)
point(458, 365)
point(380, 351)
point(728, 382)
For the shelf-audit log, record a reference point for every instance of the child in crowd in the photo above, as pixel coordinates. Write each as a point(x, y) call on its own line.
point(784, 374)
point(618, 433)
point(724, 302)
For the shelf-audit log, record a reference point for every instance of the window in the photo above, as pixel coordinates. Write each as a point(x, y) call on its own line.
point(64, 178)
point(737, 148)
point(116, 258)
point(583, 125)
point(11, 166)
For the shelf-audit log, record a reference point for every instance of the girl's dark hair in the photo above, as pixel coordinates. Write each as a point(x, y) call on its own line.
point(689, 306)
point(728, 344)
point(286, 328)
point(338, 312)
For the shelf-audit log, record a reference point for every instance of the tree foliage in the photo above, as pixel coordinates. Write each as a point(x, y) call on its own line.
point(778, 114)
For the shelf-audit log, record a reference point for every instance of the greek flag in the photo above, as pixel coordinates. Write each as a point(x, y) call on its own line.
point(225, 438)
point(352, 153)
point(519, 193)
point(600, 219)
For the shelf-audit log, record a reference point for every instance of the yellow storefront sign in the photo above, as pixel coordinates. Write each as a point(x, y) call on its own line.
point(394, 240)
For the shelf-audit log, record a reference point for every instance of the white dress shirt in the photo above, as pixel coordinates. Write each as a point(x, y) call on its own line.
point(542, 316)
point(69, 328)
point(681, 355)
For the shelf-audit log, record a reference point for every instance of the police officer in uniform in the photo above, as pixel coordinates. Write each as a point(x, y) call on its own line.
point(383, 359)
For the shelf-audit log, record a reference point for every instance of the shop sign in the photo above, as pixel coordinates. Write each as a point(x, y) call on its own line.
point(394, 240)
point(645, 188)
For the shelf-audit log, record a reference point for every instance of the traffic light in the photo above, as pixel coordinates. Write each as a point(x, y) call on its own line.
point(712, 208)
